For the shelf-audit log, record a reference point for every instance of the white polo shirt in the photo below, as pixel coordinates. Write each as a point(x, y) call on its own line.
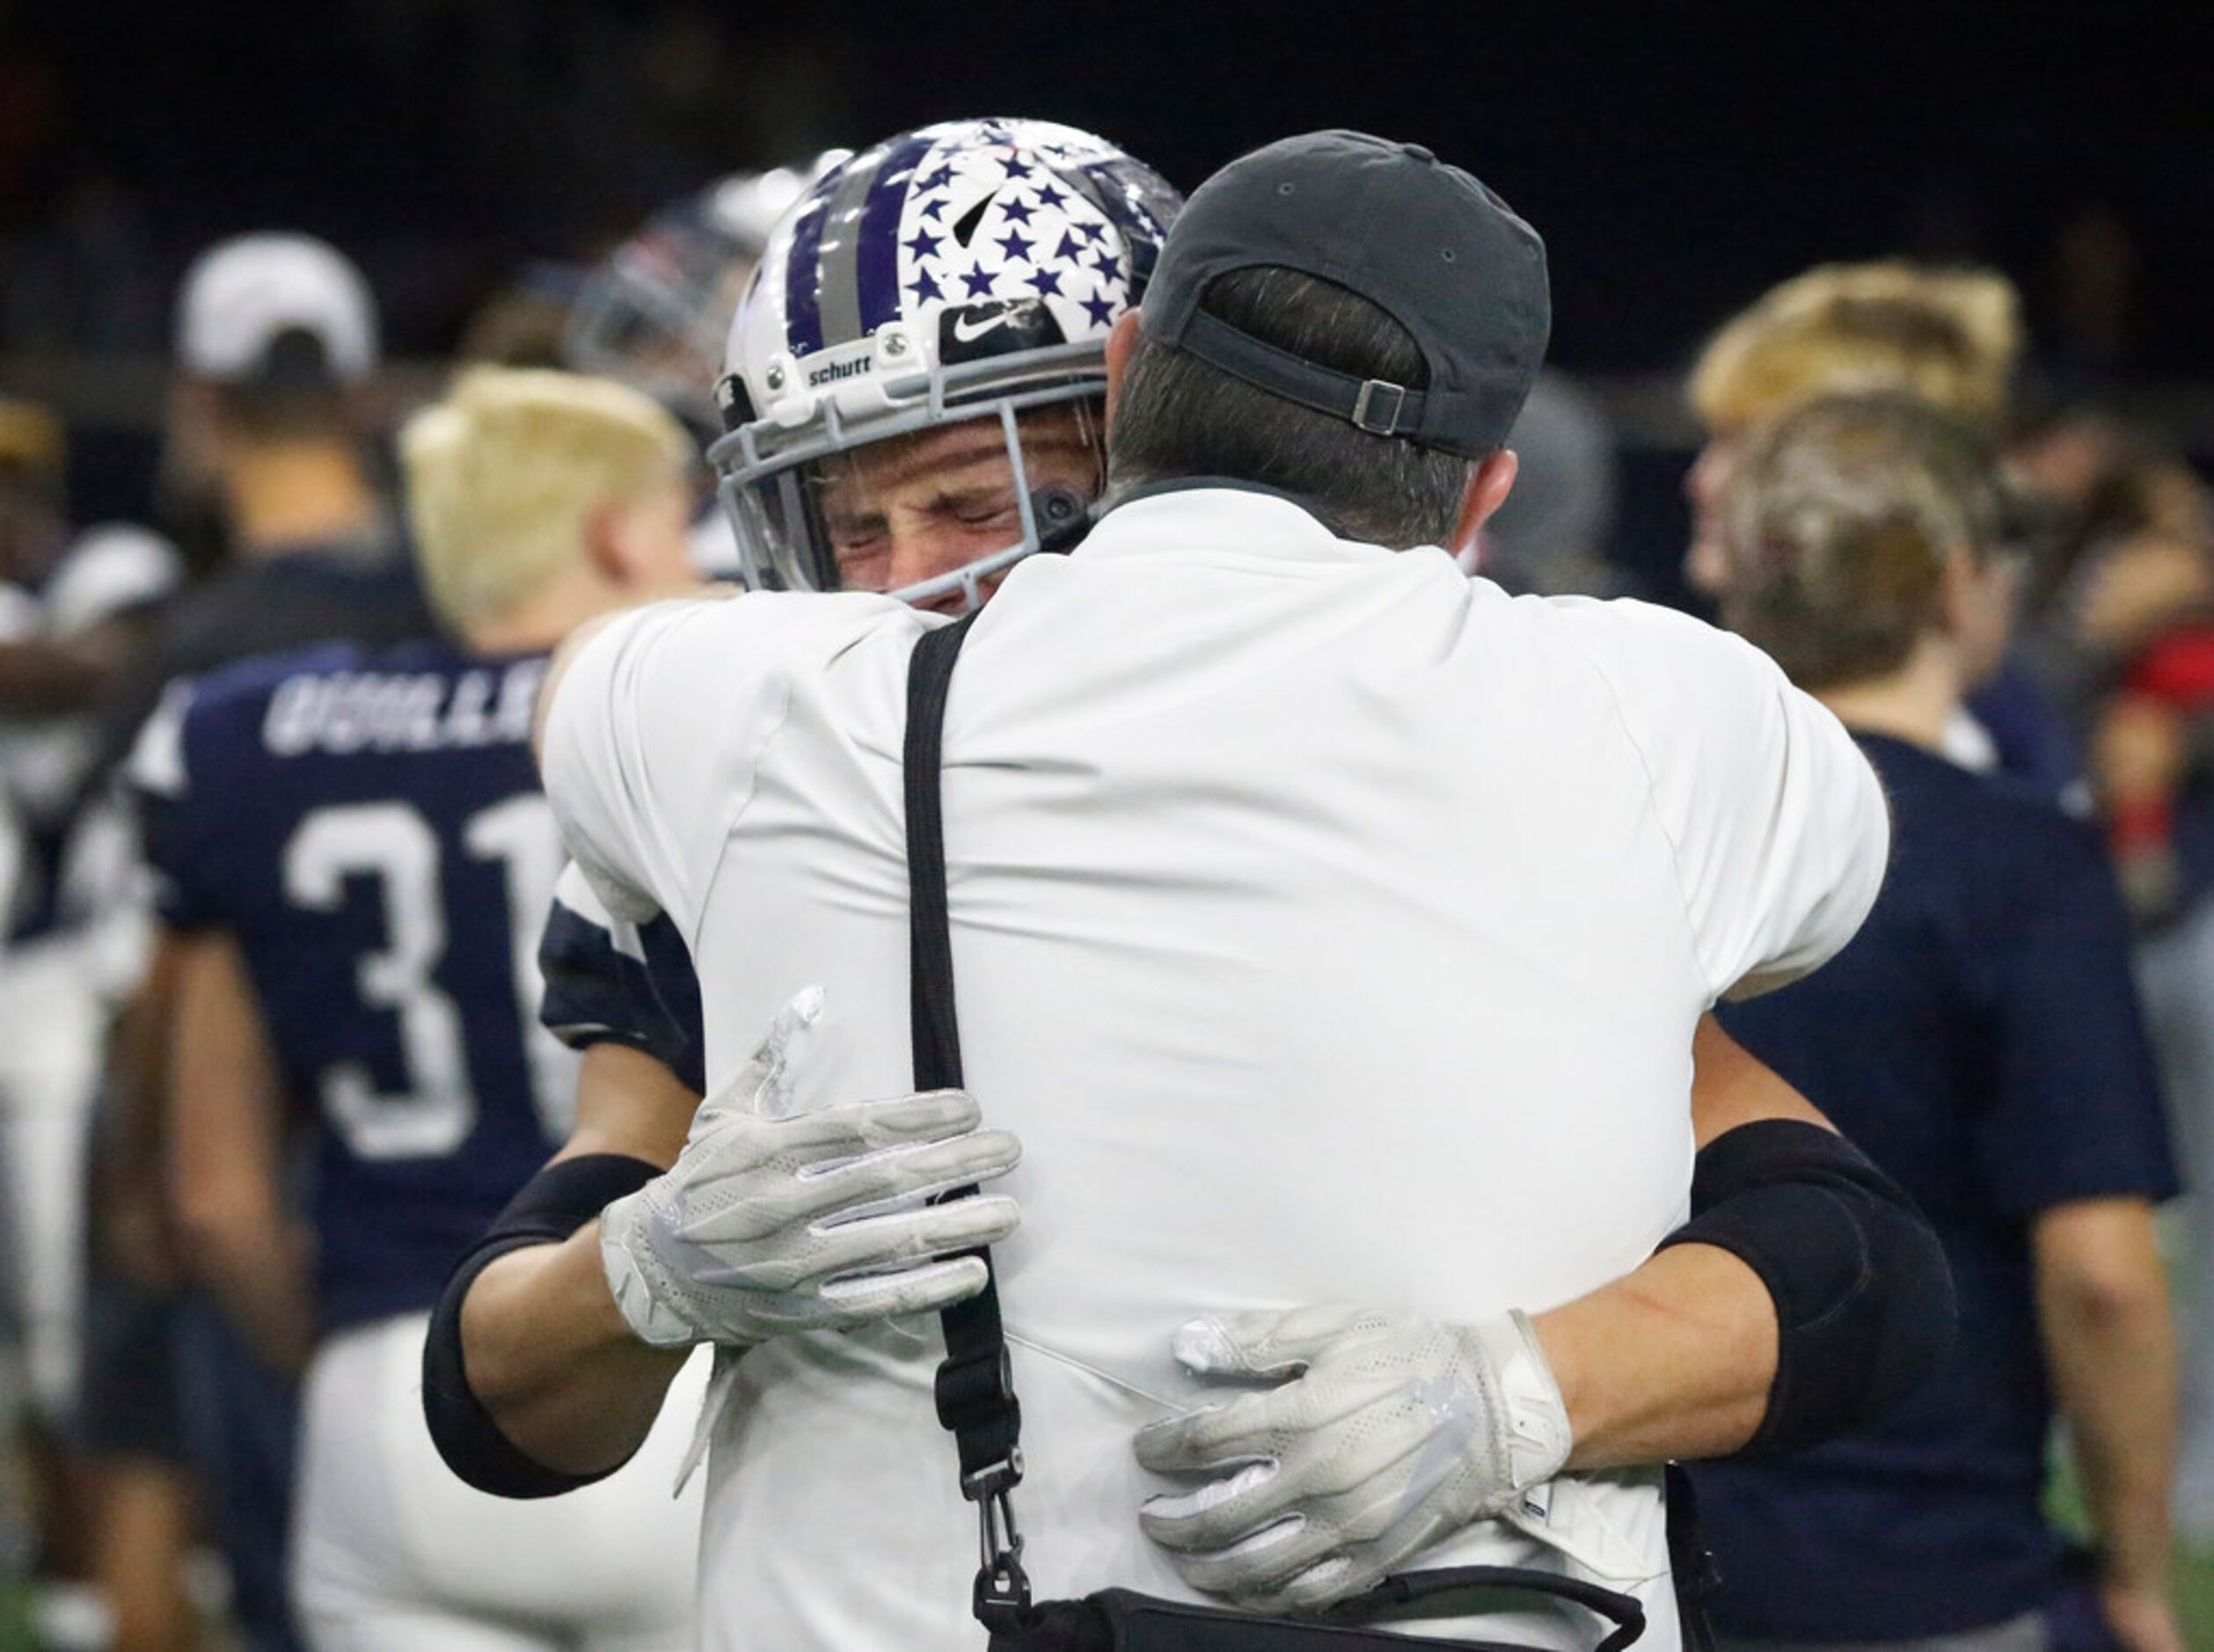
point(1330, 928)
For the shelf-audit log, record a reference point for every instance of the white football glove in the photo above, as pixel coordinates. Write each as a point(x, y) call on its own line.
point(1383, 1433)
point(772, 1223)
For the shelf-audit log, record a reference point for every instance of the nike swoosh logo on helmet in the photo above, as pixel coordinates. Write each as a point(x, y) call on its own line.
point(969, 333)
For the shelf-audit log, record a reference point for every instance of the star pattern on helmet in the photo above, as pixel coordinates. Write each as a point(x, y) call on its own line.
point(1038, 234)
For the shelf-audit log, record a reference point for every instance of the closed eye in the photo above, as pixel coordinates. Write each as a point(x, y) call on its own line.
point(979, 510)
point(858, 533)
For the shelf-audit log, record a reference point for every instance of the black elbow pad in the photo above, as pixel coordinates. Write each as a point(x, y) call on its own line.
point(554, 1204)
point(1863, 1293)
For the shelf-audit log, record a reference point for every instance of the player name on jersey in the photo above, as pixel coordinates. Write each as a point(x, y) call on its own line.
point(341, 712)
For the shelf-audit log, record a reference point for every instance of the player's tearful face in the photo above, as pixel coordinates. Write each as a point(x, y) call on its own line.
point(900, 512)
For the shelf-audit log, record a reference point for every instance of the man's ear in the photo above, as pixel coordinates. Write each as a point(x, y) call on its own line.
point(1968, 586)
point(1489, 481)
point(1121, 345)
point(606, 545)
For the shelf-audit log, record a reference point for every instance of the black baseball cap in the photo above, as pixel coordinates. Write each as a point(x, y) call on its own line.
point(1443, 256)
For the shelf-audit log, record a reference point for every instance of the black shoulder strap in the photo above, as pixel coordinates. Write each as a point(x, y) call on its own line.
point(976, 1391)
point(930, 951)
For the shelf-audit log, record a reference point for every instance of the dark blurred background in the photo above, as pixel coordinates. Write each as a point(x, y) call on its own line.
point(1677, 158)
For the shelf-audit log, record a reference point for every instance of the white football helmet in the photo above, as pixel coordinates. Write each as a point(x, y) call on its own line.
point(968, 270)
point(656, 314)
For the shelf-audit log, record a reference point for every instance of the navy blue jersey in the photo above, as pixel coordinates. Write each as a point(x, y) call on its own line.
point(1981, 1040)
point(369, 827)
point(359, 591)
point(609, 982)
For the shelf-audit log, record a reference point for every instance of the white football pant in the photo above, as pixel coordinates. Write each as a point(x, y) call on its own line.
point(55, 1028)
point(393, 1553)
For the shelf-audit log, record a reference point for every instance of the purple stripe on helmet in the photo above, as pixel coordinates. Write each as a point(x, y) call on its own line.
point(877, 242)
point(803, 274)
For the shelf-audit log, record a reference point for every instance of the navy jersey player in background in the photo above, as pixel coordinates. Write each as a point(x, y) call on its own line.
point(1982, 1038)
point(354, 859)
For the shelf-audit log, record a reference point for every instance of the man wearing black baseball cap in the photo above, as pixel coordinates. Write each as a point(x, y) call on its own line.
point(1447, 258)
point(1367, 285)
point(1356, 323)
point(1334, 933)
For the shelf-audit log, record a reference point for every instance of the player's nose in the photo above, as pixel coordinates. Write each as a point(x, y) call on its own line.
point(928, 551)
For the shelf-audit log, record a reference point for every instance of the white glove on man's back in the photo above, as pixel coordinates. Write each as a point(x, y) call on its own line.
point(1382, 1434)
point(772, 1223)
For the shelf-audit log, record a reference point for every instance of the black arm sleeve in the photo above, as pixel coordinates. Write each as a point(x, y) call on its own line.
point(554, 1204)
point(1864, 1296)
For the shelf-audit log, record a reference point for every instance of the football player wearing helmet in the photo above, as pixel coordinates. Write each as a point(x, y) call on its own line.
point(995, 257)
point(915, 401)
point(353, 854)
point(938, 307)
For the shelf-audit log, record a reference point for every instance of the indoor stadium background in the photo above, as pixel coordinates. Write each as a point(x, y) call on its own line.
point(477, 160)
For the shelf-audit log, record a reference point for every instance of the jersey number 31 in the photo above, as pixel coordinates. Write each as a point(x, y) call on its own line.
point(436, 1110)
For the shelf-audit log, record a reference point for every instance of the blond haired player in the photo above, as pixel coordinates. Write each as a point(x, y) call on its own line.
point(355, 856)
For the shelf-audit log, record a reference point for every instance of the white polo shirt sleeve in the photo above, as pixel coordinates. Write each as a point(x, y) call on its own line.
point(650, 748)
point(1777, 821)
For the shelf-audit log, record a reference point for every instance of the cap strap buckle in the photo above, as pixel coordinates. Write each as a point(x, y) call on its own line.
point(1386, 424)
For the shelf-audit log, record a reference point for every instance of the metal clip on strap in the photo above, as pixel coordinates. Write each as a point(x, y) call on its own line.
point(1003, 1588)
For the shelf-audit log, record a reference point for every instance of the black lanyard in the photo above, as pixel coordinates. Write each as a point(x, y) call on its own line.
point(974, 1390)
